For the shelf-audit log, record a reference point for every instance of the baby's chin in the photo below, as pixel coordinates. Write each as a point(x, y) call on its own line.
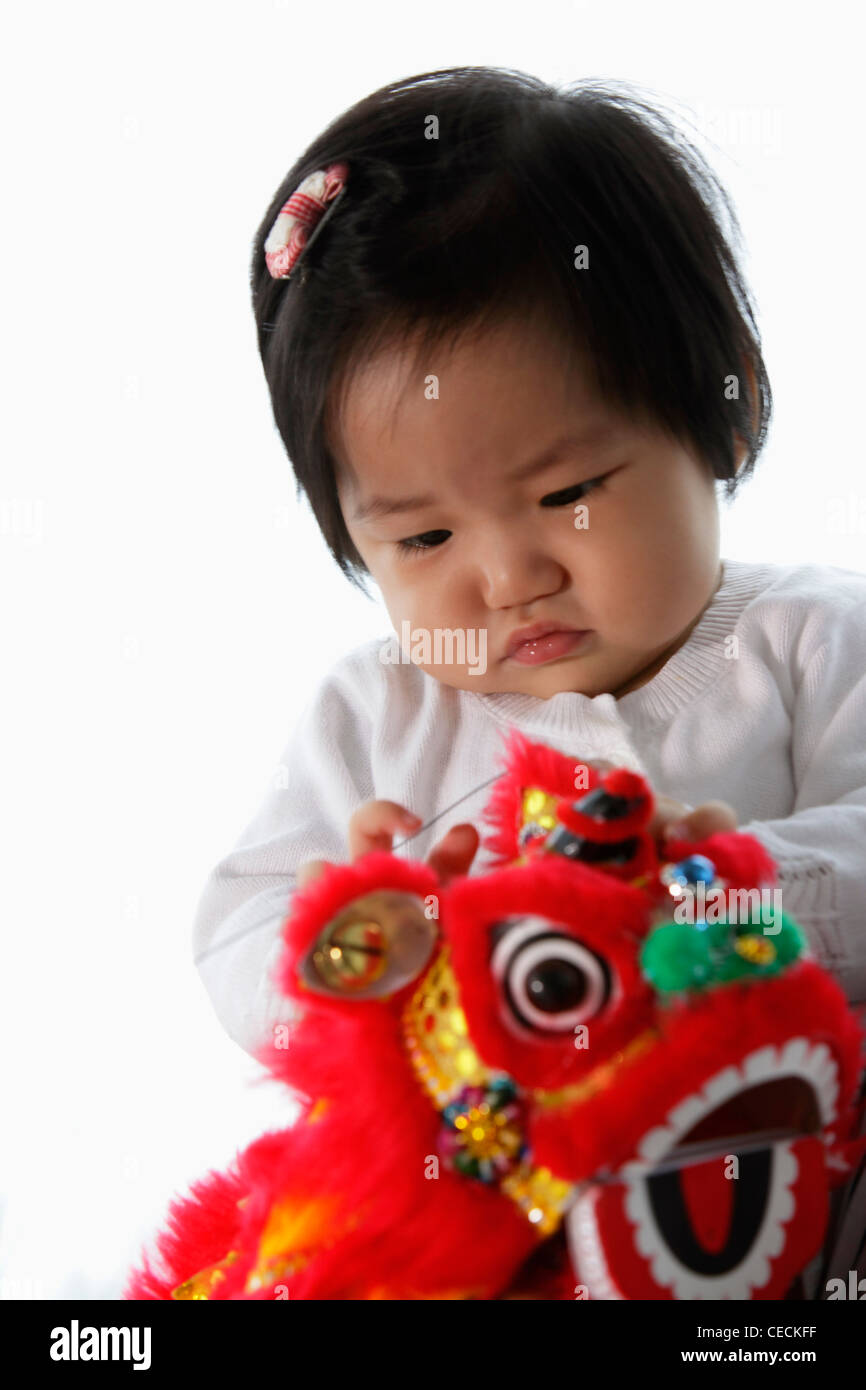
point(597, 668)
point(593, 673)
point(506, 678)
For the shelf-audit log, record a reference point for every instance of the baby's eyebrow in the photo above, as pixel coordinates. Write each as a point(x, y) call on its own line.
point(600, 435)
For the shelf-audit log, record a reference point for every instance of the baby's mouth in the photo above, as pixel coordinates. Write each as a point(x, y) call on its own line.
point(536, 651)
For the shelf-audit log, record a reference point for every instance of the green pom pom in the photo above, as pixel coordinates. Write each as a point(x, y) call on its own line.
point(755, 948)
point(676, 956)
point(679, 956)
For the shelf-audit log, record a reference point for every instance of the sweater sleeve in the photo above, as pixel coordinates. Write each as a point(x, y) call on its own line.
point(820, 849)
point(323, 776)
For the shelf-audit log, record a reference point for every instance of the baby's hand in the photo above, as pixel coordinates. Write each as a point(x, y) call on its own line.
point(672, 820)
point(375, 823)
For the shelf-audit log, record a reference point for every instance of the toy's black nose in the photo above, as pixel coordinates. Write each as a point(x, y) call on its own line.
point(577, 847)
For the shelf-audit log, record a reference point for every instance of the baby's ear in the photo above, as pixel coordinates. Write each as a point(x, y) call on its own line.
point(361, 931)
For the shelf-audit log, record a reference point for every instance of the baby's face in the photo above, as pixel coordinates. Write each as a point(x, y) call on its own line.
point(503, 538)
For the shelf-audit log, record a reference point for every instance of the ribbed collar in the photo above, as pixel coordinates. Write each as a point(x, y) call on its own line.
point(684, 676)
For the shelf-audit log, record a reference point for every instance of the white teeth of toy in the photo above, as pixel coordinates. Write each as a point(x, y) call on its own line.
point(762, 1064)
point(638, 1168)
point(590, 1255)
point(794, 1054)
point(813, 1063)
point(759, 1272)
point(686, 1114)
point(586, 1248)
point(655, 1144)
point(721, 1086)
point(785, 1204)
point(774, 1237)
point(825, 1074)
point(828, 1098)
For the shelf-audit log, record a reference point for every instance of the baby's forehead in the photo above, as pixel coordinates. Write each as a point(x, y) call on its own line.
point(512, 391)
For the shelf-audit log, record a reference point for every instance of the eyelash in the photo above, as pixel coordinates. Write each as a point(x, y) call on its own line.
point(407, 546)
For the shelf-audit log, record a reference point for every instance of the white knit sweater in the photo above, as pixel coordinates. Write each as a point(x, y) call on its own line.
point(774, 724)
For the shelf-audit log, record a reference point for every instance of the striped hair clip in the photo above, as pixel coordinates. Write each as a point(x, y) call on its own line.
point(302, 217)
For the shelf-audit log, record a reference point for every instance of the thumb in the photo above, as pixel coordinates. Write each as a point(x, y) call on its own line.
point(455, 852)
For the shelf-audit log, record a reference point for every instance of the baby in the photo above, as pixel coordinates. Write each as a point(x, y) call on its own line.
point(511, 356)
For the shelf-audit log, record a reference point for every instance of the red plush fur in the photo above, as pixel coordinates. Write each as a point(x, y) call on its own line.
point(366, 1207)
point(370, 1149)
point(199, 1230)
point(608, 917)
point(527, 764)
point(431, 1235)
point(697, 1038)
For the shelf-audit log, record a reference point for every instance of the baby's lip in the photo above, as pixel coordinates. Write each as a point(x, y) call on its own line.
point(536, 630)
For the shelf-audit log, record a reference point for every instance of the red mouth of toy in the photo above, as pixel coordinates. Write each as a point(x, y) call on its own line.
point(787, 1104)
point(711, 1205)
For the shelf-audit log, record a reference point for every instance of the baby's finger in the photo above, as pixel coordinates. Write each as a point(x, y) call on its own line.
point(709, 818)
point(667, 812)
point(455, 852)
point(374, 825)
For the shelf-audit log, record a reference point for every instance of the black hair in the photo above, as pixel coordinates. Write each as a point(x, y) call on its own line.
point(434, 237)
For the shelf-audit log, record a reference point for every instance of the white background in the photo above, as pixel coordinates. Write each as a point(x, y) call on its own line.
point(168, 607)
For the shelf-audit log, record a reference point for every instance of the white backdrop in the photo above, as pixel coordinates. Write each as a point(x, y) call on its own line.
point(168, 607)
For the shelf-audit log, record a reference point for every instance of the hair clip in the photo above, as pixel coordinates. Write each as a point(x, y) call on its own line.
point(302, 217)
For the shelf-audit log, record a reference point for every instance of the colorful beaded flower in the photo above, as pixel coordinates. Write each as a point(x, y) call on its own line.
point(482, 1131)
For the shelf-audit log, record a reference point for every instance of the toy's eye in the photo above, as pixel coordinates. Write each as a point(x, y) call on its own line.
point(549, 981)
point(372, 948)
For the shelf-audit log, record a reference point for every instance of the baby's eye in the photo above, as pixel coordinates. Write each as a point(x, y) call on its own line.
point(431, 540)
point(426, 541)
point(571, 494)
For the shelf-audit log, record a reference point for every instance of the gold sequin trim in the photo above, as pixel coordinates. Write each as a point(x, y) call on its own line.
point(538, 807)
point(202, 1284)
point(437, 1040)
point(600, 1078)
point(436, 1035)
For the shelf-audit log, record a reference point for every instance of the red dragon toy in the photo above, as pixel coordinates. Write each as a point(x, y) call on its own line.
point(576, 1074)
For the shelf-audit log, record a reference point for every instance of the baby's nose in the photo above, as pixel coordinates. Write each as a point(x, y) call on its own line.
point(515, 574)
